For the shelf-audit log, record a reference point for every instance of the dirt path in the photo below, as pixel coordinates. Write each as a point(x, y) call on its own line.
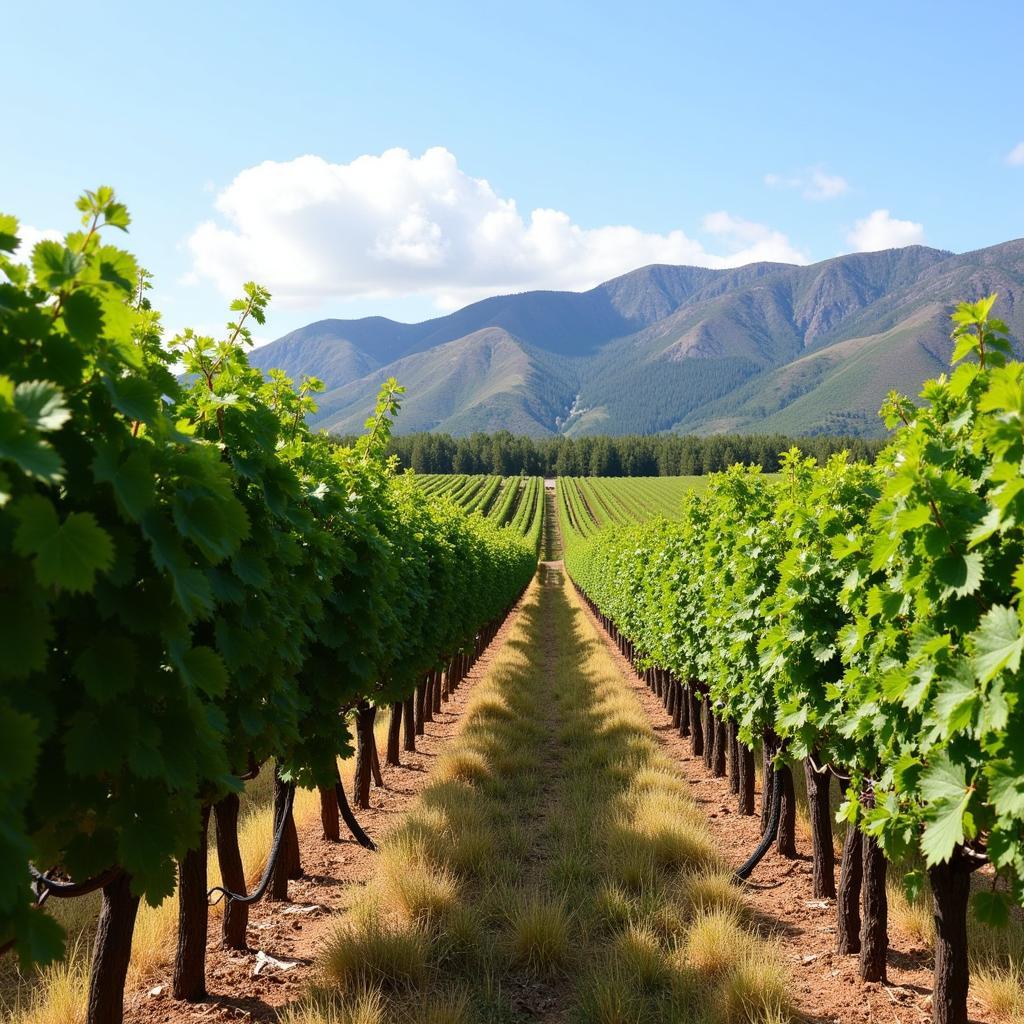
point(827, 987)
point(335, 873)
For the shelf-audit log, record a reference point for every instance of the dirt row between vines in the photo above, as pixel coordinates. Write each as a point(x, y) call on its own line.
point(335, 874)
point(826, 985)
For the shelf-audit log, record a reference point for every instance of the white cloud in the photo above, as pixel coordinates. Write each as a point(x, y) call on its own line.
point(880, 230)
point(814, 183)
point(29, 237)
point(756, 242)
point(396, 224)
point(1015, 158)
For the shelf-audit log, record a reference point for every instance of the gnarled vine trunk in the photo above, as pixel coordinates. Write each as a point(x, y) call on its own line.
point(111, 951)
point(289, 860)
point(819, 806)
point(747, 780)
point(851, 872)
point(409, 724)
point(365, 715)
point(874, 928)
point(786, 843)
point(696, 724)
point(235, 918)
point(951, 891)
point(189, 980)
point(329, 818)
point(733, 746)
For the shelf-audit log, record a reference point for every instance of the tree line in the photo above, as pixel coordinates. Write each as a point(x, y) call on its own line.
point(634, 455)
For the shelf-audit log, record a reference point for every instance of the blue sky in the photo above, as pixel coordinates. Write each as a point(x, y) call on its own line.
point(707, 133)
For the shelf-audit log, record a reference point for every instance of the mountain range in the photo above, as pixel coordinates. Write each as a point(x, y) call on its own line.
point(767, 347)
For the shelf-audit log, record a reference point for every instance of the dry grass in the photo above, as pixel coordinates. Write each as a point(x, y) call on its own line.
point(59, 993)
point(639, 953)
point(412, 888)
point(321, 1007)
point(716, 942)
point(539, 934)
point(373, 953)
point(741, 974)
point(713, 890)
point(1001, 989)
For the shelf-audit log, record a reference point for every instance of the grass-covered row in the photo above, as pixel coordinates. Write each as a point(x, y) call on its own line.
point(193, 584)
point(554, 867)
point(863, 621)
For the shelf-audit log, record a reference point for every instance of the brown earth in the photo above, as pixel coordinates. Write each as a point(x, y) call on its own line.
point(826, 985)
point(335, 873)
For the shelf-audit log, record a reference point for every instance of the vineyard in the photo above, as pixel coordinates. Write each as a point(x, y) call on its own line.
point(587, 504)
point(289, 735)
point(515, 502)
point(861, 623)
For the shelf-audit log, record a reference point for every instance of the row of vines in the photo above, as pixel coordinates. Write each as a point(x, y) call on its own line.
point(511, 501)
point(195, 588)
point(588, 504)
point(863, 622)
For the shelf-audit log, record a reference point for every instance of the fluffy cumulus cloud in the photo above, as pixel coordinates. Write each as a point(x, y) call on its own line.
point(1015, 158)
point(880, 230)
point(814, 183)
point(398, 224)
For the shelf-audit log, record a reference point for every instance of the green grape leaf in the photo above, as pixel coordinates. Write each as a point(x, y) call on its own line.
point(54, 265)
point(19, 747)
point(962, 574)
point(1006, 788)
point(33, 455)
point(956, 701)
point(40, 939)
point(41, 404)
point(997, 643)
point(25, 630)
point(943, 780)
point(943, 785)
point(91, 745)
point(913, 885)
point(8, 233)
point(83, 316)
point(107, 667)
point(133, 397)
point(131, 478)
point(203, 669)
point(991, 907)
point(67, 555)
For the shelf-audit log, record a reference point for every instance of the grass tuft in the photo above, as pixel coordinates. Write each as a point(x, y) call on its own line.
point(539, 934)
point(638, 953)
point(376, 954)
point(414, 889)
point(716, 942)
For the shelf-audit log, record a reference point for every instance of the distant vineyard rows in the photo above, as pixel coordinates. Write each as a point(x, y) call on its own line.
point(512, 501)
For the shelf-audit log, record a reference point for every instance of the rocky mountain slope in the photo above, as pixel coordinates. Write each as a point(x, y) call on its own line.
point(762, 348)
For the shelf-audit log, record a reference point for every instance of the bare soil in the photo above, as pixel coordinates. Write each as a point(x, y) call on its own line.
point(826, 985)
point(335, 873)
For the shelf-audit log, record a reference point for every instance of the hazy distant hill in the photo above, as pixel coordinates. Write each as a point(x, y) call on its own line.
point(765, 347)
